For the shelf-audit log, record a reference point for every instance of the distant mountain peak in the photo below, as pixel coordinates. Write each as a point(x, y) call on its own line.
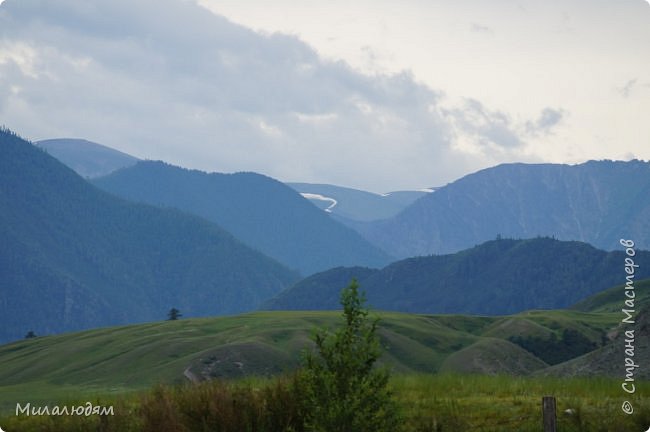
point(594, 202)
point(87, 158)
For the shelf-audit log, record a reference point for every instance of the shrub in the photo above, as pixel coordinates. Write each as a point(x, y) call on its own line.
point(344, 392)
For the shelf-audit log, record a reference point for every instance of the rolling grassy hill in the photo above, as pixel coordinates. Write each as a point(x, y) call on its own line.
point(609, 360)
point(611, 300)
point(122, 359)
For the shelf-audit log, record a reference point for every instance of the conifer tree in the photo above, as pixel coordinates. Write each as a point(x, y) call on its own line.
point(174, 314)
point(344, 390)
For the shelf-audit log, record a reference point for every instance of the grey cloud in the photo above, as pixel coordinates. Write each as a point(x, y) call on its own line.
point(628, 87)
point(480, 28)
point(548, 119)
point(495, 133)
point(489, 128)
point(166, 79)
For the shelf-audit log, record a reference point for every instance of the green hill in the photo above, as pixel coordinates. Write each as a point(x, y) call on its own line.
point(611, 300)
point(262, 212)
point(75, 257)
point(497, 277)
point(134, 357)
point(609, 360)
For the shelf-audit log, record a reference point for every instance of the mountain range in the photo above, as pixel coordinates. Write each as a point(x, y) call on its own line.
point(260, 211)
point(87, 158)
point(347, 204)
point(195, 241)
point(76, 257)
point(498, 277)
point(597, 202)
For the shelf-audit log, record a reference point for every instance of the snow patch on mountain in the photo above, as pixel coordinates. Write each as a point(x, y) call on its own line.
point(319, 197)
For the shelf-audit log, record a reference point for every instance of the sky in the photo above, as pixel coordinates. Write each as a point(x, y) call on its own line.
point(374, 94)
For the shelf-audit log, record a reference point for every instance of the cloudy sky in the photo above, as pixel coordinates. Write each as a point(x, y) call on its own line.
point(375, 94)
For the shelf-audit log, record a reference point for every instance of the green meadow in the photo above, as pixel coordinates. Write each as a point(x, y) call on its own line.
point(450, 372)
point(442, 402)
point(135, 357)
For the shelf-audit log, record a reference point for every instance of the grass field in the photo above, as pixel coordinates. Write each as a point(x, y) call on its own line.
point(426, 353)
point(443, 402)
point(506, 403)
point(128, 358)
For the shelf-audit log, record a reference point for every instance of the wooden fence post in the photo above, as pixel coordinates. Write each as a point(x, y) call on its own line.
point(548, 413)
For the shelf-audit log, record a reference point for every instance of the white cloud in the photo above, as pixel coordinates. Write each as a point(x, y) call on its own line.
point(19, 55)
point(317, 119)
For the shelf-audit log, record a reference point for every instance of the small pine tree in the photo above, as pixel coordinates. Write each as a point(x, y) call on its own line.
point(344, 392)
point(174, 314)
